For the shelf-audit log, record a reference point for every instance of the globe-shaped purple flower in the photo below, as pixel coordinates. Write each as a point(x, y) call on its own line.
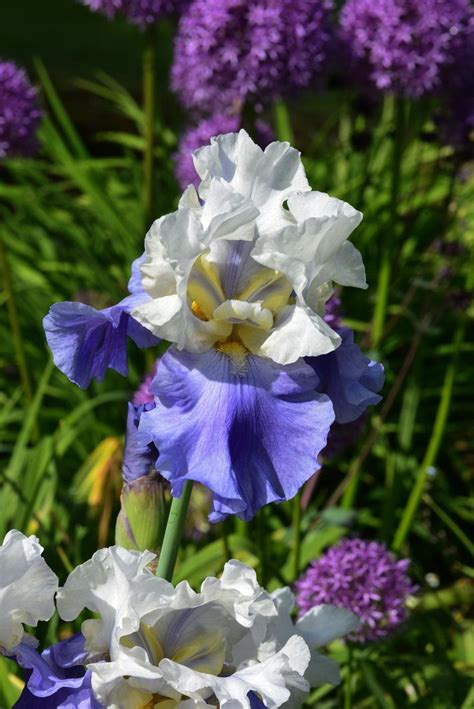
point(402, 46)
point(138, 12)
point(19, 112)
point(200, 135)
point(363, 577)
point(457, 122)
point(231, 51)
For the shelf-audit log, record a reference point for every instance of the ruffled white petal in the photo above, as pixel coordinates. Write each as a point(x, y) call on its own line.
point(310, 251)
point(266, 177)
point(297, 332)
point(325, 623)
point(268, 679)
point(117, 585)
point(229, 261)
point(27, 587)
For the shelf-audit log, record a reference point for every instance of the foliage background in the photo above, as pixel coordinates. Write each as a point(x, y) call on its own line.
point(72, 221)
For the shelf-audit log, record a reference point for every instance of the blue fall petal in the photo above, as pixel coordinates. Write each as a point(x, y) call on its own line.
point(57, 678)
point(139, 455)
point(85, 342)
point(255, 702)
point(250, 432)
point(349, 378)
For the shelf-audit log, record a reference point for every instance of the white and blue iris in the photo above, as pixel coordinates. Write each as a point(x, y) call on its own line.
point(150, 644)
point(237, 280)
point(230, 645)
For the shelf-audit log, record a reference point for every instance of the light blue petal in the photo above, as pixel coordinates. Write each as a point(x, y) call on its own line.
point(349, 378)
point(251, 435)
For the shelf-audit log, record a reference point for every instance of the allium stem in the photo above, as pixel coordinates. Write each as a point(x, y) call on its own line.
point(149, 108)
point(283, 128)
point(296, 535)
point(348, 679)
point(174, 533)
point(433, 445)
point(14, 323)
point(389, 237)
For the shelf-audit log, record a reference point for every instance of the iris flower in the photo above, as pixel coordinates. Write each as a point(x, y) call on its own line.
point(237, 280)
point(149, 643)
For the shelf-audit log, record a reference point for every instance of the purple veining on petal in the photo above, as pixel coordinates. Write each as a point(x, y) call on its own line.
point(251, 431)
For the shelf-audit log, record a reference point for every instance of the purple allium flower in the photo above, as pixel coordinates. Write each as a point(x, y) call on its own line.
point(363, 577)
point(457, 123)
point(333, 312)
point(200, 135)
point(139, 12)
point(19, 112)
point(143, 394)
point(231, 51)
point(402, 46)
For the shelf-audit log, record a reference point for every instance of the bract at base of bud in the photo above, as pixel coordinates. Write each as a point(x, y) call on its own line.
point(142, 519)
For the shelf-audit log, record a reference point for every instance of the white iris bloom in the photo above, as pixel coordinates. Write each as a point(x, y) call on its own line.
point(27, 588)
point(247, 262)
point(155, 645)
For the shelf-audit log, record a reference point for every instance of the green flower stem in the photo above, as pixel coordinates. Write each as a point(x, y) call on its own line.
point(174, 533)
point(149, 108)
point(284, 130)
point(348, 679)
point(296, 524)
point(388, 242)
point(262, 545)
point(433, 445)
point(13, 318)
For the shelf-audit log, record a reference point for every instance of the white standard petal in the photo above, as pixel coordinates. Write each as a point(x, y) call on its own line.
point(117, 585)
point(324, 623)
point(311, 251)
point(239, 591)
point(267, 177)
point(27, 587)
point(297, 332)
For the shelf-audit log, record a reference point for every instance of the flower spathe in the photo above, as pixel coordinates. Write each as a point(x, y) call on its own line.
point(27, 588)
point(230, 644)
